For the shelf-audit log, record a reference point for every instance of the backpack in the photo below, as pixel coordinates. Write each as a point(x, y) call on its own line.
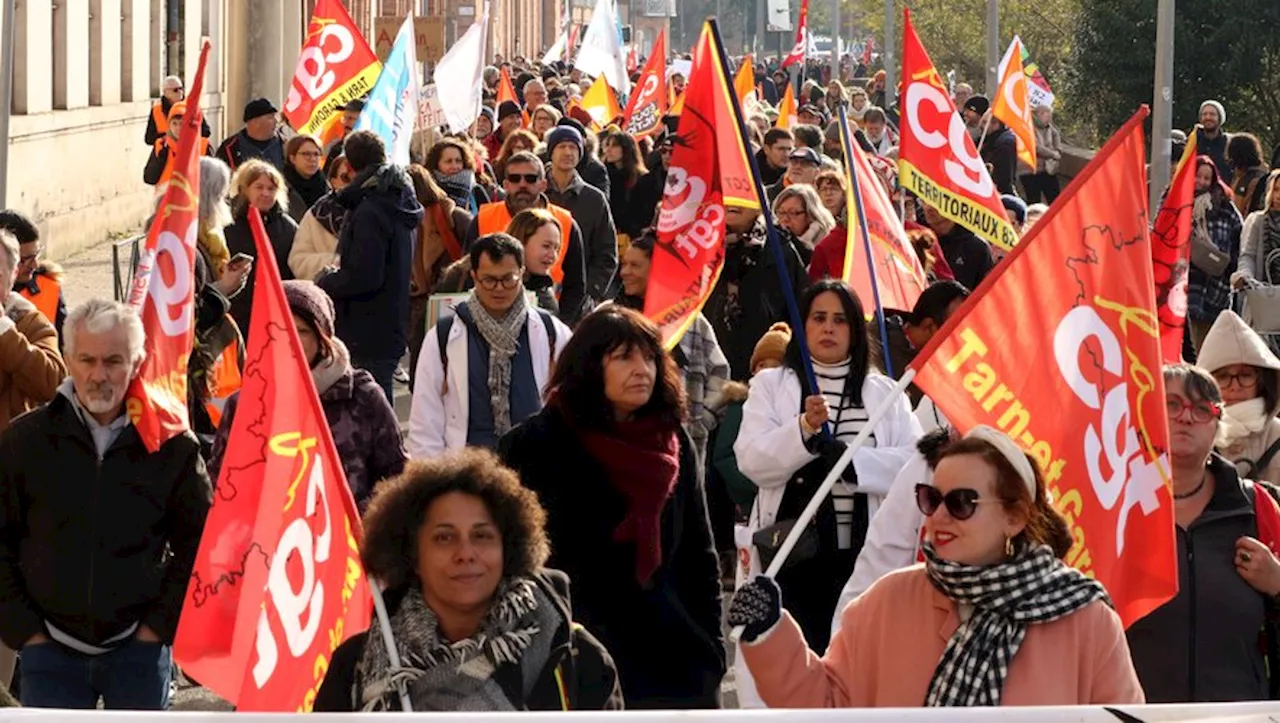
point(1266, 512)
point(442, 338)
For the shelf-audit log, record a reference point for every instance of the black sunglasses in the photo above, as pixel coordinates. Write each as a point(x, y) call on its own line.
point(961, 503)
point(529, 178)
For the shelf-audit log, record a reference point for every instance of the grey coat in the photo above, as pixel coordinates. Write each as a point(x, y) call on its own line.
point(590, 209)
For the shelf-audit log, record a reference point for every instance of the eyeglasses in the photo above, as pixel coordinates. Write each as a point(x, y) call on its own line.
point(1247, 377)
point(490, 283)
point(790, 214)
point(517, 178)
point(961, 503)
point(1201, 412)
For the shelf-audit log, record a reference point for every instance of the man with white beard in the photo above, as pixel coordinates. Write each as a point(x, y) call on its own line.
point(97, 535)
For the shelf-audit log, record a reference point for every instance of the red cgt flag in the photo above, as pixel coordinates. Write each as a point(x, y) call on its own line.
point(1060, 348)
point(798, 52)
point(335, 66)
point(163, 290)
point(900, 278)
point(938, 161)
point(277, 584)
point(709, 170)
point(648, 103)
point(1171, 254)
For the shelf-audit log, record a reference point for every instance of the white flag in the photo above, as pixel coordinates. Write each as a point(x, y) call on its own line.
point(556, 53)
point(601, 52)
point(392, 108)
point(459, 76)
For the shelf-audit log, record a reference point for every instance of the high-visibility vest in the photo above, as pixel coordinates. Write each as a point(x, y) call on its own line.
point(224, 381)
point(46, 296)
point(161, 119)
point(201, 150)
point(494, 218)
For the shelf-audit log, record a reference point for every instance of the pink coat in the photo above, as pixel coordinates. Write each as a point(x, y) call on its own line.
point(893, 635)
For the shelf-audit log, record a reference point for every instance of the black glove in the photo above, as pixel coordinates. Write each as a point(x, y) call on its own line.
point(829, 450)
point(757, 606)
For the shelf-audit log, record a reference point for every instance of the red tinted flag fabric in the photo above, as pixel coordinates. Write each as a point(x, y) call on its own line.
point(648, 103)
point(1059, 347)
point(1171, 253)
point(277, 584)
point(797, 54)
point(163, 290)
point(938, 161)
point(708, 171)
point(336, 65)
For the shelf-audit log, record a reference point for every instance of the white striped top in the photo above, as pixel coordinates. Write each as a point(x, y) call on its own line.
point(846, 421)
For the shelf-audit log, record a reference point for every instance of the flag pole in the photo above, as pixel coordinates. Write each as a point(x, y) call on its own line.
point(802, 522)
point(388, 638)
point(847, 139)
point(788, 291)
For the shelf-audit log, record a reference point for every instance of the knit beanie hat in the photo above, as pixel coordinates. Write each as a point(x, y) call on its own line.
point(1015, 204)
point(978, 104)
point(312, 304)
point(487, 112)
point(1222, 112)
point(507, 109)
point(772, 346)
point(564, 134)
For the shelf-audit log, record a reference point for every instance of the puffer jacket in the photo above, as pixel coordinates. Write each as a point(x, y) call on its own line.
point(1231, 341)
point(1204, 645)
point(30, 366)
point(364, 426)
point(370, 289)
point(577, 674)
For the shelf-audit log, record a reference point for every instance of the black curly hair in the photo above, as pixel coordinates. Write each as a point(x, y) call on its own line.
point(399, 509)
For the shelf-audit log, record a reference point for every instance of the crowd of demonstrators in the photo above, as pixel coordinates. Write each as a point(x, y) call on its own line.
point(315, 243)
point(1215, 244)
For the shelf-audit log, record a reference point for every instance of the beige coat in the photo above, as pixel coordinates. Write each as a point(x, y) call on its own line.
point(1231, 341)
point(313, 249)
point(30, 366)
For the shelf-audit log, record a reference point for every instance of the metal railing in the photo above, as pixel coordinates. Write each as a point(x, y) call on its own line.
point(122, 279)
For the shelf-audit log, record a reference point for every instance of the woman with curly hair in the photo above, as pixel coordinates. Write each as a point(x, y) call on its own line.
point(453, 166)
point(627, 514)
point(478, 622)
point(518, 142)
point(258, 184)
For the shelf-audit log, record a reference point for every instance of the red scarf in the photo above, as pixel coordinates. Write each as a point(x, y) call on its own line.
point(641, 458)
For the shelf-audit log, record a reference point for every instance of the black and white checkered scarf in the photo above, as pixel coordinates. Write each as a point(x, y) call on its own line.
point(1032, 587)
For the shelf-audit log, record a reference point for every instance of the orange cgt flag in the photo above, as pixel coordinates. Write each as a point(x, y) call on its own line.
point(1060, 348)
point(1012, 104)
point(336, 66)
point(163, 290)
point(277, 584)
point(506, 90)
point(708, 171)
point(787, 108)
point(937, 160)
point(1171, 252)
point(648, 103)
point(601, 103)
point(899, 276)
point(744, 84)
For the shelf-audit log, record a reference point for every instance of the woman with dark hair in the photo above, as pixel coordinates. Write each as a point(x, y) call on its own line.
point(626, 513)
point(315, 246)
point(633, 195)
point(1215, 224)
point(1034, 632)
point(453, 165)
point(307, 184)
point(1249, 172)
point(478, 622)
point(439, 244)
point(792, 435)
point(1216, 639)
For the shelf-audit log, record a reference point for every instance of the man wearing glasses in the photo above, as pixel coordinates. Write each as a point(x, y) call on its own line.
point(484, 370)
point(526, 184)
point(172, 92)
point(39, 282)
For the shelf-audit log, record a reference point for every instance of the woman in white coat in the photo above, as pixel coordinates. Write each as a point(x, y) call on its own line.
point(784, 449)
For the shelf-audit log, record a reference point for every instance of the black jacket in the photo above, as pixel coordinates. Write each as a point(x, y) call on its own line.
point(590, 678)
point(154, 134)
point(1203, 645)
point(768, 174)
point(634, 206)
point(666, 639)
point(94, 546)
point(370, 289)
point(752, 265)
point(1001, 151)
point(239, 148)
point(280, 231)
point(968, 256)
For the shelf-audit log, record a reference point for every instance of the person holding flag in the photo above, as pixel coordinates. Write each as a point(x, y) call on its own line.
point(1042, 184)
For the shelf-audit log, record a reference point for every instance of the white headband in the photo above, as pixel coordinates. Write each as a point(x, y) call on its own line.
point(1011, 451)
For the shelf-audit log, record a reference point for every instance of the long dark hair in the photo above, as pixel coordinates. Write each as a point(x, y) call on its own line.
point(631, 164)
point(858, 347)
point(576, 386)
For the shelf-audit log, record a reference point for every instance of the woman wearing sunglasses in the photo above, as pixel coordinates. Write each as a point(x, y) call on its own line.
point(1215, 640)
point(1248, 373)
point(792, 435)
point(992, 617)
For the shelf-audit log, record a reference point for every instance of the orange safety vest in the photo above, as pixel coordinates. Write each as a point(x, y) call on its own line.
point(161, 119)
point(225, 381)
point(169, 162)
point(48, 291)
point(494, 218)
